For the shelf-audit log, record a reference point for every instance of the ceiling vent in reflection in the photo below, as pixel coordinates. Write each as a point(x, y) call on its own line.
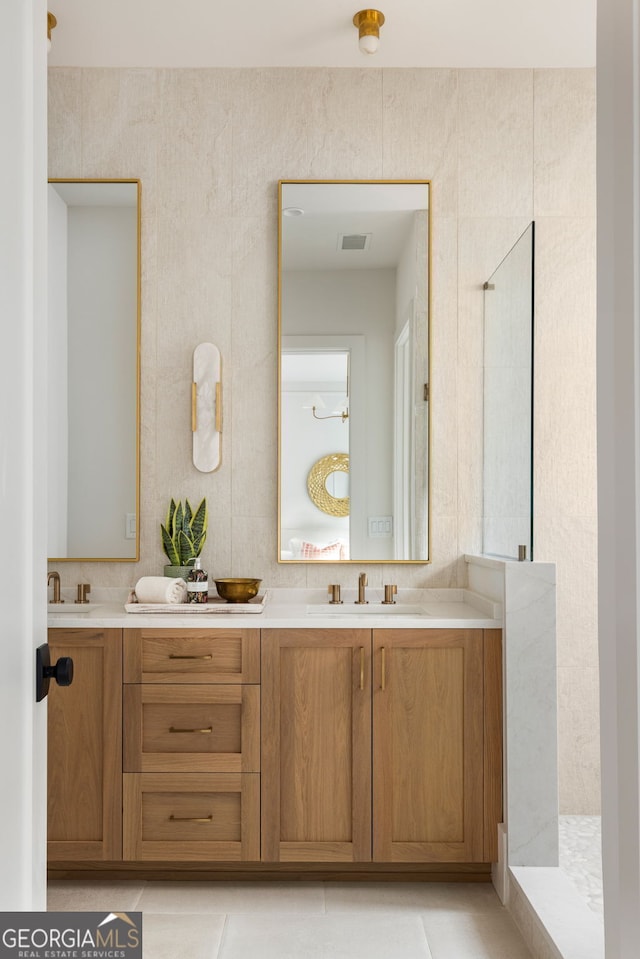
point(354, 241)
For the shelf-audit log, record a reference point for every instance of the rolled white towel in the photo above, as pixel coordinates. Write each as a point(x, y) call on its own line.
point(161, 589)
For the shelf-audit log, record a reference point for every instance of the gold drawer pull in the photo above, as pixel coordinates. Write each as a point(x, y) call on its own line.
point(362, 667)
point(175, 656)
point(383, 682)
point(172, 729)
point(173, 818)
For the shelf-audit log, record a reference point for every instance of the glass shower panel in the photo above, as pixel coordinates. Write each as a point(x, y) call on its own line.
point(508, 403)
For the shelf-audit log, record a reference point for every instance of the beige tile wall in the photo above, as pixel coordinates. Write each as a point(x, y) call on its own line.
point(502, 147)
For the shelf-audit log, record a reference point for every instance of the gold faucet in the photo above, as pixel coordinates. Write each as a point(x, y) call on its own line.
point(389, 592)
point(56, 586)
point(83, 590)
point(362, 582)
point(334, 593)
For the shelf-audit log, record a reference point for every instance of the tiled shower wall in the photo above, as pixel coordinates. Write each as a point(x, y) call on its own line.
point(502, 147)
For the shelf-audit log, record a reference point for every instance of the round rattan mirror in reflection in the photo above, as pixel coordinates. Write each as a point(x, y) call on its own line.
point(317, 484)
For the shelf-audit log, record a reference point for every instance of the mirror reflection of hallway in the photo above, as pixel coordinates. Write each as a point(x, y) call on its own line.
point(93, 369)
point(354, 289)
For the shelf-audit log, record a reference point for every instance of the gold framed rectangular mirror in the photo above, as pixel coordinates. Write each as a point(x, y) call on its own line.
point(94, 370)
point(353, 370)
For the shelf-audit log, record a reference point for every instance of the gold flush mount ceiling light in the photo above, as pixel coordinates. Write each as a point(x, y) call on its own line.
point(368, 23)
point(51, 24)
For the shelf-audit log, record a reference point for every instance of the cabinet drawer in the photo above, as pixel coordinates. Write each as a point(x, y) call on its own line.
point(192, 817)
point(191, 728)
point(192, 656)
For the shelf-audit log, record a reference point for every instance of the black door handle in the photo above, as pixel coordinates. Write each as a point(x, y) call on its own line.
point(62, 672)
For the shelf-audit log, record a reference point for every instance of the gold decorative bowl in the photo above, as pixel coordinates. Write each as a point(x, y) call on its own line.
point(236, 590)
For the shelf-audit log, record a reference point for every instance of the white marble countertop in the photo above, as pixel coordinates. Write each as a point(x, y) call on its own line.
point(286, 608)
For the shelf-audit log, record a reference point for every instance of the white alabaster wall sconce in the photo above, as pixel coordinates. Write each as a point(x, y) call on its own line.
point(206, 407)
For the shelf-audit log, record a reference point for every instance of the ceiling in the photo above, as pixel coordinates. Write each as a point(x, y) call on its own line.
point(96, 194)
point(295, 33)
point(383, 212)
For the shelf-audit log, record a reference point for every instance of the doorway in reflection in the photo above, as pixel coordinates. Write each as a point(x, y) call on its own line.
point(315, 445)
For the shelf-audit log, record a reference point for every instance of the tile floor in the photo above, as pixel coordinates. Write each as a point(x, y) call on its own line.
point(306, 920)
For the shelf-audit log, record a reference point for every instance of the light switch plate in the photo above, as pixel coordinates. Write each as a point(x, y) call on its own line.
point(380, 527)
point(130, 526)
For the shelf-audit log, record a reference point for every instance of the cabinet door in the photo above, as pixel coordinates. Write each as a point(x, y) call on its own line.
point(85, 748)
point(316, 745)
point(428, 789)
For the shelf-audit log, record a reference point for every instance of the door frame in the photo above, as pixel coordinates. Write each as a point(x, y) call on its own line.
point(403, 441)
point(23, 625)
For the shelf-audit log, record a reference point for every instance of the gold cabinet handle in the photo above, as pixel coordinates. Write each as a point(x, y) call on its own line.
point(362, 667)
point(383, 677)
point(173, 729)
point(176, 656)
point(194, 414)
point(173, 818)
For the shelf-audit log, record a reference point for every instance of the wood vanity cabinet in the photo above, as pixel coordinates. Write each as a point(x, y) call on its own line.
point(85, 748)
point(382, 746)
point(191, 745)
point(287, 746)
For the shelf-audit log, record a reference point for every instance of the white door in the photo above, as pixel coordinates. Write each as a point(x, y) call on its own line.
point(23, 182)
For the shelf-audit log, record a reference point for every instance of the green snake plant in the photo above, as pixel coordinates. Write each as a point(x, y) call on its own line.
point(184, 532)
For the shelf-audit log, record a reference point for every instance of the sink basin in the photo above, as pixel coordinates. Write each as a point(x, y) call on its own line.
point(71, 607)
point(371, 609)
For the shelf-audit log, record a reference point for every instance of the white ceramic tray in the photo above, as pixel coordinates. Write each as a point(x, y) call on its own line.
point(215, 605)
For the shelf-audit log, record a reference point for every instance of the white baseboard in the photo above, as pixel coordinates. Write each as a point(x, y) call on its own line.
point(499, 870)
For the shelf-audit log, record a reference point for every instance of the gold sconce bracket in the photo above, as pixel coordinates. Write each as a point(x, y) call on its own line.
point(331, 416)
point(206, 407)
